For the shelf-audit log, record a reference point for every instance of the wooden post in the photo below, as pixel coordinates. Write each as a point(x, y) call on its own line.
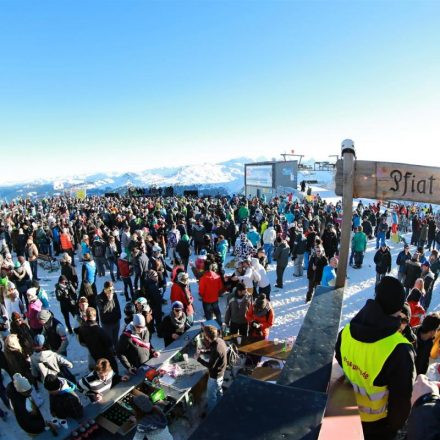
point(348, 157)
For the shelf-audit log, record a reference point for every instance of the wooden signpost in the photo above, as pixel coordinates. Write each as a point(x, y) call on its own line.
point(379, 181)
point(392, 181)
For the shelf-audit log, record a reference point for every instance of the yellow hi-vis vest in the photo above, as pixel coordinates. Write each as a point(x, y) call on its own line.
point(362, 362)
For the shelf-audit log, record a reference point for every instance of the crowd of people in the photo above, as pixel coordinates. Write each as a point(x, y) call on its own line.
point(145, 244)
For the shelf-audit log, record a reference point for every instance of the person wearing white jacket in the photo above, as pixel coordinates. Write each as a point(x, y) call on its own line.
point(249, 277)
point(12, 301)
point(269, 237)
point(264, 283)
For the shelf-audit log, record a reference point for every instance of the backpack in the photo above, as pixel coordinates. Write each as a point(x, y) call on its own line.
point(98, 248)
point(172, 239)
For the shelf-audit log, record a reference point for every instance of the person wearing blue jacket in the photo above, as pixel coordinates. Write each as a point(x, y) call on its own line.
point(88, 284)
point(254, 237)
point(329, 273)
point(222, 247)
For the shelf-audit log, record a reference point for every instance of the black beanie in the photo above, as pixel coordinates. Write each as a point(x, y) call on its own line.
point(390, 295)
point(52, 383)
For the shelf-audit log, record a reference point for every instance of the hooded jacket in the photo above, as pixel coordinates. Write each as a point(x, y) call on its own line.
point(96, 340)
point(32, 314)
point(413, 270)
point(134, 349)
point(382, 259)
point(281, 253)
point(210, 286)
point(264, 279)
point(269, 235)
point(26, 412)
point(371, 324)
point(236, 309)
point(46, 362)
point(65, 403)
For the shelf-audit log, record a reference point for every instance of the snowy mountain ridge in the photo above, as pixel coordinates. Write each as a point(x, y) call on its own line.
point(227, 176)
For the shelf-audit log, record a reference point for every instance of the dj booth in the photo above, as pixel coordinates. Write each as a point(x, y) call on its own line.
point(113, 412)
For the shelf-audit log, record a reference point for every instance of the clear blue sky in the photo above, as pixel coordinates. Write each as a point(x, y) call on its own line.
point(127, 85)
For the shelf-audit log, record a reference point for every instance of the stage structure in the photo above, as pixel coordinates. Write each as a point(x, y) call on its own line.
point(270, 178)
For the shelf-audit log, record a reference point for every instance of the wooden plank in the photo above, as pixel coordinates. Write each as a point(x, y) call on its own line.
point(408, 182)
point(266, 374)
point(267, 349)
point(392, 181)
point(341, 414)
point(364, 179)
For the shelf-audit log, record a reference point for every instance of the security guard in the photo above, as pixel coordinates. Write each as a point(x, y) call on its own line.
point(379, 361)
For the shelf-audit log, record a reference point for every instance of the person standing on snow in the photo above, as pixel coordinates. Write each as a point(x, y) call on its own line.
point(382, 259)
point(379, 361)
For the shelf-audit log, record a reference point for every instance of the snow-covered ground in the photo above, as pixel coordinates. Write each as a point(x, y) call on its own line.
point(289, 306)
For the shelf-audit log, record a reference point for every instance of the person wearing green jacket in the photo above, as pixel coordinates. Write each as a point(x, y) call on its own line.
point(243, 213)
point(359, 246)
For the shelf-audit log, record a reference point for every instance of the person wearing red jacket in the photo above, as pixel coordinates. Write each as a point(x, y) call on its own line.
point(66, 244)
point(260, 317)
point(210, 286)
point(417, 310)
point(125, 274)
point(180, 292)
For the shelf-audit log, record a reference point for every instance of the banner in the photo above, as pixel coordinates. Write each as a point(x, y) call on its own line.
point(81, 193)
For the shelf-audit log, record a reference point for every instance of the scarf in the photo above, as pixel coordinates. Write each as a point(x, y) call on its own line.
point(109, 305)
point(136, 340)
point(178, 322)
point(263, 311)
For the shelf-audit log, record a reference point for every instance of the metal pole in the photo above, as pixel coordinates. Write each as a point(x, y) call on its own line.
point(348, 157)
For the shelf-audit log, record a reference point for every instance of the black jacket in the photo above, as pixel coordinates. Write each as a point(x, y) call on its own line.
point(382, 259)
point(66, 295)
point(367, 228)
point(402, 258)
point(218, 359)
point(424, 421)
point(413, 270)
point(319, 263)
point(300, 245)
point(398, 372)
point(109, 311)
point(96, 340)
point(69, 272)
point(423, 351)
point(330, 242)
point(30, 422)
point(167, 328)
point(66, 403)
point(183, 249)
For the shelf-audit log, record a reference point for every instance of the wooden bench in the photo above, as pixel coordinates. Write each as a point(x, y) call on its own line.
point(341, 414)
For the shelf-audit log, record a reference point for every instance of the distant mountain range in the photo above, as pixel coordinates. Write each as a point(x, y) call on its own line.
point(223, 177)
